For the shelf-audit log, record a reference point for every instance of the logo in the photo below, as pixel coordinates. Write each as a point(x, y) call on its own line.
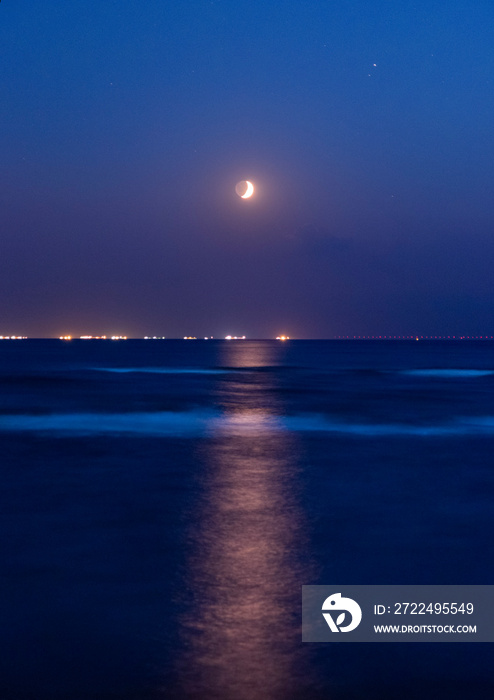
point(346, 607)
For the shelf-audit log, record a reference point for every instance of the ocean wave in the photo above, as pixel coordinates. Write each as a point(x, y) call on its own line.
point(449, 373)
point(162, 423)
point(459, 427)
point(209, 423)
point(162, 370)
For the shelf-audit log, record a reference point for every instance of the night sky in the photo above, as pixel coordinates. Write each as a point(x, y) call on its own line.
point(366, 128)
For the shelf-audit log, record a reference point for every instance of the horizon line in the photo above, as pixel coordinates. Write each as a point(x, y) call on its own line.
point(414, 337)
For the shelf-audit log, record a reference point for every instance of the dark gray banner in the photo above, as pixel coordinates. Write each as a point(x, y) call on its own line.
point(397, 613)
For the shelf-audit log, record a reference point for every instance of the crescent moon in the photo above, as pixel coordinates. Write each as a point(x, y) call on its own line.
point(250, 190)
point(244, 189)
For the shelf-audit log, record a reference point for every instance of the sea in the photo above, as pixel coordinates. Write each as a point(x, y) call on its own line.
point(162, 503)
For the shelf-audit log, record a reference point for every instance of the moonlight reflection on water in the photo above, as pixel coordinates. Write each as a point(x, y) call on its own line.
point(245, 574)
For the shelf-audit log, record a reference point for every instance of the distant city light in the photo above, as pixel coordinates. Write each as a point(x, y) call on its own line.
point(278, 337)
point(94, 337)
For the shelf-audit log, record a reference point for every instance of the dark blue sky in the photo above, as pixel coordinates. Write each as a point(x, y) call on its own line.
point(125, 127)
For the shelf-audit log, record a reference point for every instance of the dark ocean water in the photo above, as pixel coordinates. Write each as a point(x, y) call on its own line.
point(163, 502)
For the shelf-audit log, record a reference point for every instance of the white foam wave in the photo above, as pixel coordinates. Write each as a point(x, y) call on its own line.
point(169, 423)
point(459, 427)
point(208, 423)
point(161, 370)
point(450, 373)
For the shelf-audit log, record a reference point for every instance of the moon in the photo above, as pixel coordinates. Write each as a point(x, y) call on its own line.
point(244, 189)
